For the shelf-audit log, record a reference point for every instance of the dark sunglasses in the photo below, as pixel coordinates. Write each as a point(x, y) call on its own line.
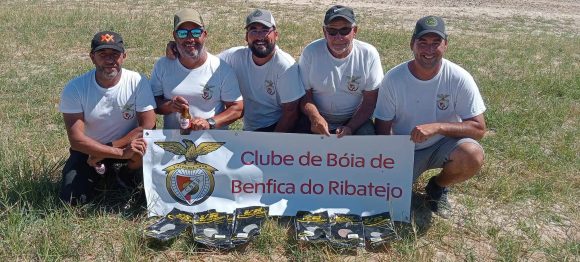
point(343, 31)
point(195, 33)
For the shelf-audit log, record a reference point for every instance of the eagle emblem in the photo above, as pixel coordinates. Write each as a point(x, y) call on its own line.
point(190, 182)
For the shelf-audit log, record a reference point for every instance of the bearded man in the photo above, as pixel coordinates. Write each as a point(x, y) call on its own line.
point(196, 81)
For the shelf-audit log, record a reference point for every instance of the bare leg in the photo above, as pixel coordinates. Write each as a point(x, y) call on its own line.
point(465, 161)
point(135, 162)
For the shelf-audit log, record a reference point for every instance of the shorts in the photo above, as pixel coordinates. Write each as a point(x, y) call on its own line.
point(437, 155)
point(81, 183)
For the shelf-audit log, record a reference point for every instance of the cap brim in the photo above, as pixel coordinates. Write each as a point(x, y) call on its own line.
point(424, 32)
point(191, 21)
point(101, 47)
point(339, 16)
point(265, 23)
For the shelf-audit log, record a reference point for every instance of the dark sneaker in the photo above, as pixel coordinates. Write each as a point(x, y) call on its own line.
point(127, 178)
point(438, 199)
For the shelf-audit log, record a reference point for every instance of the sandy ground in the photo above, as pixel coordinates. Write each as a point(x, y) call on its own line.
point(563, 13)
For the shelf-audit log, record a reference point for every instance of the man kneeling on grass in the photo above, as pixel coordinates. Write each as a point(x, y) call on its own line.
point(105, 111)
point(438, 103)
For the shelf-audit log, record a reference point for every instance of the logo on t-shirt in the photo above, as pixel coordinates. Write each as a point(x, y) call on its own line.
point(353, 82)
point(442, 101)
point(270, 89)
point(128, 111)
point(207, 92)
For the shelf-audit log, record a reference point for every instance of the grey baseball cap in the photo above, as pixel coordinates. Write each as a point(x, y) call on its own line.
point(430, 24)
point(261, 16)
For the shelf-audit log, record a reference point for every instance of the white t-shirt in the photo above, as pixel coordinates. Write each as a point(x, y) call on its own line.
point(109, 113)
point(449, 97)
point(206, 88)
point(337, 84)
point(264, 88)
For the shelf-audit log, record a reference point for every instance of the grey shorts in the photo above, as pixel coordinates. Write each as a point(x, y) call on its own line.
point(437, 155)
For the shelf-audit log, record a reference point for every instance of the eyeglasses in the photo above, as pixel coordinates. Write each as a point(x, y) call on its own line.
point(342, 31)
point(260, 32)
point(195, 33)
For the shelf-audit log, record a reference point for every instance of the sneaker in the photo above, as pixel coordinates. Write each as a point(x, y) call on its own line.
point(438, 199)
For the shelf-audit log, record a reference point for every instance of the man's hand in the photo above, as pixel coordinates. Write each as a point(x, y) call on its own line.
point(92, 161)
point(343, 131)
point(178, 104)
point(199, 124)
point(136, 147)
point(421, 133)
point(171, 50)
point(319, 126)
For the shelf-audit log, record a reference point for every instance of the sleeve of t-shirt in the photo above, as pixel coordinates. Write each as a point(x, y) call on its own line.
point(230, 91)
point(375, 71)
point(385, 109)
point(156, 75)
point(144, 101)
point(304, 68)
point(290, 87)
point(226, 55)
point(469, 100)
point(70, 99)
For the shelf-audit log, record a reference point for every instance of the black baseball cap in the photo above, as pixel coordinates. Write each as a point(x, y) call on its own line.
point(339, 11)
point(430, 24)
point(107, 39)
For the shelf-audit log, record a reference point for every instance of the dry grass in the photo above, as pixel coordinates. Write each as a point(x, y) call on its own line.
point(524, 56)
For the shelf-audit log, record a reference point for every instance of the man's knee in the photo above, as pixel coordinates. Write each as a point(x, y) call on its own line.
point(469, 156)
point(77, 184)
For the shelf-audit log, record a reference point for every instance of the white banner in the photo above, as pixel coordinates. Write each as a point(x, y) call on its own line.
point(224, 170)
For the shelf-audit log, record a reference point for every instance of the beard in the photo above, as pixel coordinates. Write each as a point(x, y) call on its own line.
point(194, 53)
point(108, 73)
point(262, 51)
point(340, 50)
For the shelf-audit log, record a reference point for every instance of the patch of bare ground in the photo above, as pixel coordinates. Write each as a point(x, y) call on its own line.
point(554, 16)
point(530, 223)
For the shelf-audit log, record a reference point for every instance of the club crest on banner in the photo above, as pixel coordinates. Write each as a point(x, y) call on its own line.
point(190, 182)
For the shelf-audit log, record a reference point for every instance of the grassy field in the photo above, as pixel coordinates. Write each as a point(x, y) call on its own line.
point(523, 205)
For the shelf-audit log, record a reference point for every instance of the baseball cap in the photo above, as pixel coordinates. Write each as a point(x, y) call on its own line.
point(187, 15)
point(430, 24)
point(261, 16)
point(339, 11)
point(107, 39)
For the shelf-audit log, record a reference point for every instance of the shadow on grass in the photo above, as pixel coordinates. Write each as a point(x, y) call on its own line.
point(33, 185)
point(29, 186)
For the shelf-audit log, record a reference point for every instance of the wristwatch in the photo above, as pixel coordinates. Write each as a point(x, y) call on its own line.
point(211, 122)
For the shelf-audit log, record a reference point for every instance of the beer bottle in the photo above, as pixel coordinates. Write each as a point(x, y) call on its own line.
point(100, 168)
point(185, 121)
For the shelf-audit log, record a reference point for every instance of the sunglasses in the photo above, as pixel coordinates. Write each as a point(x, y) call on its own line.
point(343, 31)
point(195, 33)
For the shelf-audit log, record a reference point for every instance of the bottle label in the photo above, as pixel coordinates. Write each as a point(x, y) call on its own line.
point(100, 168)
point(184, 123)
